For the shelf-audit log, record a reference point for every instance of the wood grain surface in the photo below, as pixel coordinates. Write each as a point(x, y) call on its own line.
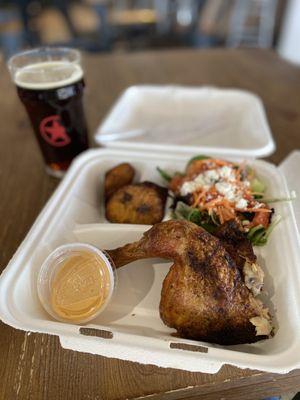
point(34, 366)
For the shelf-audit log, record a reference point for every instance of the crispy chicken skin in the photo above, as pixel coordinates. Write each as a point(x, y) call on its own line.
point(203, 296)
point(236, 242)
point(241, 251)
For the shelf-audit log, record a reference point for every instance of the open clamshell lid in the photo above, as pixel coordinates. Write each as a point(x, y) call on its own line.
point(188, 120)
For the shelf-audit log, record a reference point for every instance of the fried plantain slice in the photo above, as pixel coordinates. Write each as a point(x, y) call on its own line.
point(142, 203)
point(117, 177)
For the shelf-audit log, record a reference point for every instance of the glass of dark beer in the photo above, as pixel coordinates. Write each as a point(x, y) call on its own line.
point(50, 84)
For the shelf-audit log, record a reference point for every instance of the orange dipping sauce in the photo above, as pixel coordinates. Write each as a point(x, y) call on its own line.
point(80, 282)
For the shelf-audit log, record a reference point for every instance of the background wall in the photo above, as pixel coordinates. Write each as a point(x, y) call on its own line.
point(289, 43)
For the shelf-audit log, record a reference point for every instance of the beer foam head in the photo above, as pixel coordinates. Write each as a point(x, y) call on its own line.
point(48, 75)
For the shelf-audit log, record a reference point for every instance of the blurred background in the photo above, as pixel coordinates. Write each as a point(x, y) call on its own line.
point(132, 25)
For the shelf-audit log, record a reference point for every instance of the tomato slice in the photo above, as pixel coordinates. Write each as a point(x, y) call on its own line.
point(261, 218)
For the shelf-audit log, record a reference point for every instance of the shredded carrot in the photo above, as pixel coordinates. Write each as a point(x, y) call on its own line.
point(255, 210)
point(221, 162)
point(199, 196)
point(219, 212)
point(214, 202)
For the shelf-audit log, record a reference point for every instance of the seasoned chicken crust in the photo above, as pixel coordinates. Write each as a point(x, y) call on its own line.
point(203, 296)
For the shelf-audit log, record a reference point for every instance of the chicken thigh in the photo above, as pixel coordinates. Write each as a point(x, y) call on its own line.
point(203, 296)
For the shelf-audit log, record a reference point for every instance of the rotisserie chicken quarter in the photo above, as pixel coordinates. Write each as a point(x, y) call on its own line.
point(203, 296)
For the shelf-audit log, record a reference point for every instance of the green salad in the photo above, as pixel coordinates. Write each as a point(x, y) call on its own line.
point(212, 191)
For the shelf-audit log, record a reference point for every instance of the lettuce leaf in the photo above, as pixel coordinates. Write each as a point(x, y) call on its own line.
point(164, 174)
point(201, 218)
point(258, 235)
point(196, 158)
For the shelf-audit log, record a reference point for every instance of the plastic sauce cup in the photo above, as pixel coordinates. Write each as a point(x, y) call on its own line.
point(76, 282)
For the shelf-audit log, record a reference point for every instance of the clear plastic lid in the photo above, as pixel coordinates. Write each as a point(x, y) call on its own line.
point(76, 282)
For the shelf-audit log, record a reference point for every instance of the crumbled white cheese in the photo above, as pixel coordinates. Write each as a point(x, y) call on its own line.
point(227, 173)
point(212, 175)
point(227, 190)
point(241, 203)
point(225, 182)
point(189, 187)
point(204, 180)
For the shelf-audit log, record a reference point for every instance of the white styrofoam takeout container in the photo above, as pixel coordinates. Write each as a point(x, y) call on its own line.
point(75, 213)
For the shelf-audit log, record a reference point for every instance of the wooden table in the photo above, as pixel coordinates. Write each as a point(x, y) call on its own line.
point(35, 366)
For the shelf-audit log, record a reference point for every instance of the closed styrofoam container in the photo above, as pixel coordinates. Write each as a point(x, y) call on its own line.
point(137, 333)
